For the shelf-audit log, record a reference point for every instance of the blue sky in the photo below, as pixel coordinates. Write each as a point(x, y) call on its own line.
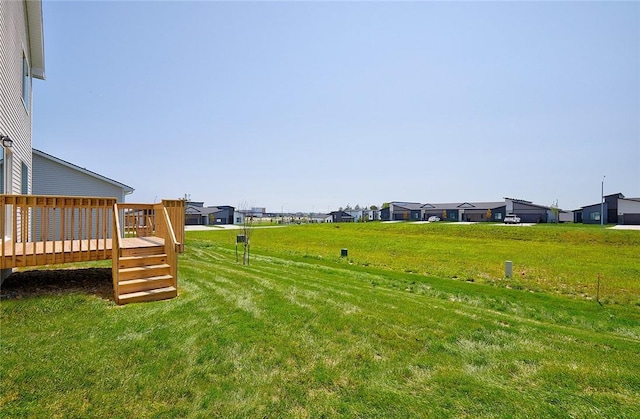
point(315, 105)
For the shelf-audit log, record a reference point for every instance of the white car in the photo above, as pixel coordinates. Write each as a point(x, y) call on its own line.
point(512, 219)
point(433, 219)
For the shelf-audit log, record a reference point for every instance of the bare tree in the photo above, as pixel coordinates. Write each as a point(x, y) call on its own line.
point(247, 230)
point(555, 210)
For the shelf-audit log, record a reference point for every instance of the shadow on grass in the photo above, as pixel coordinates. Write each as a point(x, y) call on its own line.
point(35, 283)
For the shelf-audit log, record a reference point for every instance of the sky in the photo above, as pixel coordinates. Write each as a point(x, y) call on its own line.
point(312, 106)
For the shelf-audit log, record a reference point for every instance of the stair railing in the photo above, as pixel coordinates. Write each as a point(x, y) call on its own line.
point(175, 210)
point(172, 247)
point(115, 251)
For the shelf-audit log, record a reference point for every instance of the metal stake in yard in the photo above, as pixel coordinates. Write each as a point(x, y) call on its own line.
point(508, 269)
point(598, 291)
point(240, 238)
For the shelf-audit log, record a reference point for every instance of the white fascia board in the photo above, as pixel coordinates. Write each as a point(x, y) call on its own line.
point(36, 38)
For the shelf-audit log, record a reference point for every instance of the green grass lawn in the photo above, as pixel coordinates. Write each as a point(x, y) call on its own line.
point(303, 333)
point(565, 259)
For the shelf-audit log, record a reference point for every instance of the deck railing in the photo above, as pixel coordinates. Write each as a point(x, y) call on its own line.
point(175, 210)
point(145, 220)
point(43, 230)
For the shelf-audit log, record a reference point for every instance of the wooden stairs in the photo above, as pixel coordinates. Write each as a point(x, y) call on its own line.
point(145, 254)
point(144, 274)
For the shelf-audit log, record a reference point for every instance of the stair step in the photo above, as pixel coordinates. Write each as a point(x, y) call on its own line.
point(144, 260)
point(142, 251)
point(143, 271)
point(145, 284)
point(150, 295)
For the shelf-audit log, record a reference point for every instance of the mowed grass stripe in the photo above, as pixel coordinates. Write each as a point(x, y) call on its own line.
point(277, 278)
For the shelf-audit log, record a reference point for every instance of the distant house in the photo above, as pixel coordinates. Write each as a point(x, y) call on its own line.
point(493, 211)
point(239, 216)
point(321, 218)
point(402, 211)
point(454, 211)
point(374, 215)
point(565, 216)
point(466, 211)
point(197, 214)
point(364, 214)
point(617, 210)
point(54, 176)
point(221, 214)
point(194, 214)
point(341, 217)
point(529, 212)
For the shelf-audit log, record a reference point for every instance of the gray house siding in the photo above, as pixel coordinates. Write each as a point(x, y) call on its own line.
point(451, 215)
point(530, 213)
point(577, 216)
point(498, 214)
point(629, 211)
point(51, 177)
point(224, 215)
point(406, 214)
point(591, 214)
point(21, 42)
point(20, 36)
point(478, 215)
point(611, 202)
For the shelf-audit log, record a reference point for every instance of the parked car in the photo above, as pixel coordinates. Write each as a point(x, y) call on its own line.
point(433, 219)
point(512, 219)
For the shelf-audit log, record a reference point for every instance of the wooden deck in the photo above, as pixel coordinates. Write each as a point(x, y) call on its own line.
point(142, 240)
point(69, 251)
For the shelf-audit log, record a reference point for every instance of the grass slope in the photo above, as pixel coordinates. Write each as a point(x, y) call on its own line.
point(304, 337)
point(546, 258)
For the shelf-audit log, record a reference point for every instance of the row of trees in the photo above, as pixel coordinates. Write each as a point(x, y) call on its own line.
point(358, 208)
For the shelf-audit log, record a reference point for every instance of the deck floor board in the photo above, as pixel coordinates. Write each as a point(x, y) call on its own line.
point(32, 253)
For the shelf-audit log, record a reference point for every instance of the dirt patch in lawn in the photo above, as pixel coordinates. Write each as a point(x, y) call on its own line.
point(25, 284)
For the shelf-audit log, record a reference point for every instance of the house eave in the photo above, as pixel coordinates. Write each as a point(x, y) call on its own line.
point(36, 38)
